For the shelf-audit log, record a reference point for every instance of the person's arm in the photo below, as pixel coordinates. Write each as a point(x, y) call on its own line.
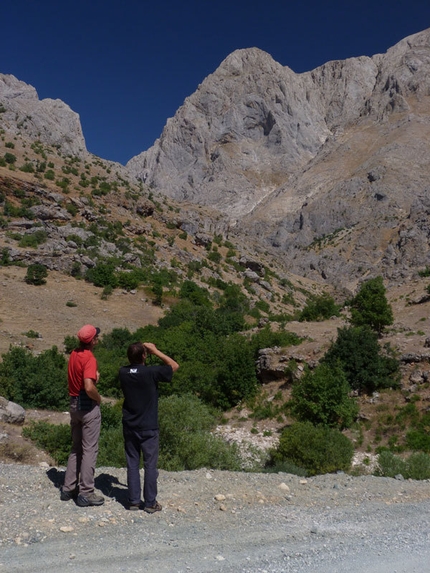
point(91, 390)
point(152, 349)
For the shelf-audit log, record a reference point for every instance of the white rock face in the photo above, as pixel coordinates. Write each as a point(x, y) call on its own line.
point(327, 169)
point(253, 123)
point(50, 121)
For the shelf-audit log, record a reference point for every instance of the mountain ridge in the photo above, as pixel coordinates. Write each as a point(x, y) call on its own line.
point(325, 170)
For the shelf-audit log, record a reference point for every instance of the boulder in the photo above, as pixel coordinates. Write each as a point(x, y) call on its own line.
point(10, 412)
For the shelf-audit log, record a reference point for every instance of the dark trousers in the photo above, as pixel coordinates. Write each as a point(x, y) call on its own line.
point(135, 442)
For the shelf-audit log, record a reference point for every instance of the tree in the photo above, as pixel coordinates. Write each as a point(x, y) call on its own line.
point(370, 306)
point(366, 365)
point(322, 397)
point(36, 274)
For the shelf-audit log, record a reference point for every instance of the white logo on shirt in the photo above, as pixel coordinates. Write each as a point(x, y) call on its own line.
point(133, 370)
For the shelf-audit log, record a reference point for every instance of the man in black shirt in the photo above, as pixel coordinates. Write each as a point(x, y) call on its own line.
point(139, 384)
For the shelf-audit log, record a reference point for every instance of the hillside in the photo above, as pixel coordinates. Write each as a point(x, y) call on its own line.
point(341, 201)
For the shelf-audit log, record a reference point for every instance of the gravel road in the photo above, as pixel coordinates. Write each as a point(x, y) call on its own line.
point(216, 521)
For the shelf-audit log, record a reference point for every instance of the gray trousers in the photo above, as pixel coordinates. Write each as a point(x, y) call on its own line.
point(85, 428)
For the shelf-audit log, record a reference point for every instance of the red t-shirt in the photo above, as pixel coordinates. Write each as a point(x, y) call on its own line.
point(82, 364)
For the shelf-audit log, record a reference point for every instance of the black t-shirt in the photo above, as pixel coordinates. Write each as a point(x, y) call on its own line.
point(139, 384)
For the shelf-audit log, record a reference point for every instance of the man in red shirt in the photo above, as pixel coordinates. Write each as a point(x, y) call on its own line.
point(85, 421)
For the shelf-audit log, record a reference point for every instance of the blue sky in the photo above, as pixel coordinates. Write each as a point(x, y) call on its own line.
point(127, 66)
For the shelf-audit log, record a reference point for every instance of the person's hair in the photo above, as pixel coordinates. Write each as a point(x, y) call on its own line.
point(136, 353)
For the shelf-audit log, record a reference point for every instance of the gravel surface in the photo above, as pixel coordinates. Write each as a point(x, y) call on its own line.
point(216, 521)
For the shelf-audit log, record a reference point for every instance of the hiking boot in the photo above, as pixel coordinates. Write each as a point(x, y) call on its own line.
point(68, 495)
point(90, 499)
point(134, 506)
point(153, 508)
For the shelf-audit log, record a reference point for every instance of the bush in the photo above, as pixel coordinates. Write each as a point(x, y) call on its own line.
point(417, 466)
point(35, 381)
point(370, 306)
point(317, 449)
point(358, 353)
point(10, 158)
point(322, 397)
point(103, 274)
point(266, 338)
point(70, 343)
point(185, 439)
point(418, 437)
point(33, 239)
point(54, 439)
point(36, 274)
point(319, 308)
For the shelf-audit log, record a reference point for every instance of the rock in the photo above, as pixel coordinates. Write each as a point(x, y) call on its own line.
point(202, 240)
point(67, 528)
point(10, 412)
point(416, 377)
point(49, 121)
point(411, 357)
point(286, 158)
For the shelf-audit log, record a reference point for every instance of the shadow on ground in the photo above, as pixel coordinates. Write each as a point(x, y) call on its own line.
point(109, 485)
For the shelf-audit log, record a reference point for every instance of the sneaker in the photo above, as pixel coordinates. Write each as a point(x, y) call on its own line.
point(68, 495)
point(153, 508)
point(90, 499)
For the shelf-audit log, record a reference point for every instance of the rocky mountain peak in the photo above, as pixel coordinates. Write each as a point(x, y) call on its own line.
point(50, 121)
point(291, 159)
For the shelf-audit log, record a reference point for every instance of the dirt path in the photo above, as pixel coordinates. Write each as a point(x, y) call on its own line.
point(216, 521)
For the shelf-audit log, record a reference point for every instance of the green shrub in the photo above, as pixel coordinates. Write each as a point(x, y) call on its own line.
point(103, 274)
point(322, 397)
point(318, 449)
point(72, 210)
point(36, 274)
point(50, 175)
point(266, 338)
point(27, 168)
point(35, 381)
point(54, 439)
point(417, 466)
point(33, 239)
point(215, 257)
point(262, 305)
point(111, 448)
point(10, 158)
point(70, 343)
point(14, 211)
point(32, 334)
point(5, 259)
point(185, 439)
point(319, 308)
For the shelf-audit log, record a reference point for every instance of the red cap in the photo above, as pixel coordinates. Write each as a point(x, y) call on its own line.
point(87, 333)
